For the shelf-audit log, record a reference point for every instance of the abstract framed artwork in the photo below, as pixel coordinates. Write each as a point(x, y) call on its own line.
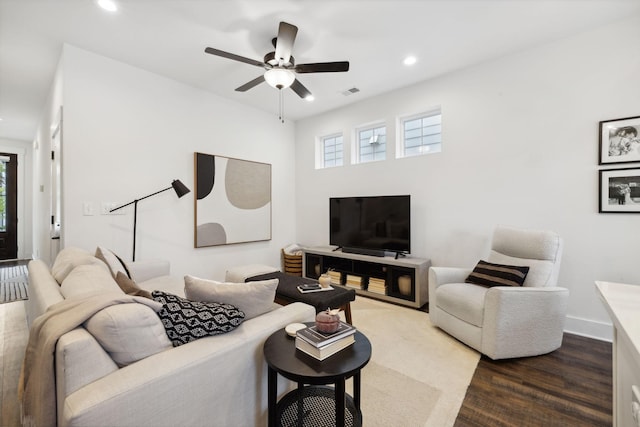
point(620, 190)
point(620, 140)
point(233, 201)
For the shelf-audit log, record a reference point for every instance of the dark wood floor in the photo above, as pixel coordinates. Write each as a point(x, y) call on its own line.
point(571, 386)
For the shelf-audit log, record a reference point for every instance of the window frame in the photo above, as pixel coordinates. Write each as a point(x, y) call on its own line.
point(373, 126)
point(401, 149)
point(321, 161)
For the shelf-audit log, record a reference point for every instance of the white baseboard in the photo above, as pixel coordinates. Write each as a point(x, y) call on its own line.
point(589, 328)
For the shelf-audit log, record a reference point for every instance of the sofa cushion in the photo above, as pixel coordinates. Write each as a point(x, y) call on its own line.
point(490, 274)
point(463, 300)
point(112, 261)
point(88, 278)
point(70, 258)
point(130, 287)
point(253, 298)
point(129, 332)
point(186, 321)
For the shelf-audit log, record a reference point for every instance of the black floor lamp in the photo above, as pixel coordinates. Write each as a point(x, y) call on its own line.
point(180, 190)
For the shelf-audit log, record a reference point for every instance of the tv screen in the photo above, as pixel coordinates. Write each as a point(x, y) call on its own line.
point(377, 223)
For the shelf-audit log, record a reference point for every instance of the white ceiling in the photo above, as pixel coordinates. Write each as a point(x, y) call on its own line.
point(168, 38)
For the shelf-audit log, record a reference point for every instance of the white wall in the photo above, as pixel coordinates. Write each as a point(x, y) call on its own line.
point(43, 246)
point(128, 133)
point(520, 147)
point(24, 203)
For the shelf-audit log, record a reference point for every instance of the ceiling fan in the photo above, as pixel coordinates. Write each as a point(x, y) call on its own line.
point(280, 65)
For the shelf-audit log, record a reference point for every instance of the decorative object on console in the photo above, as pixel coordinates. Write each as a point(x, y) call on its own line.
point(233, 201)
point(177, 186)
point(353, 281)
point(620, 140)
point(404, 284)
point(620, 190)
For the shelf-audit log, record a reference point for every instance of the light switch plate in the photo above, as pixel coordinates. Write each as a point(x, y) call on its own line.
point(88, 209)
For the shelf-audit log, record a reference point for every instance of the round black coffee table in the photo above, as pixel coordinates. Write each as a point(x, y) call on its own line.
point(309, 398)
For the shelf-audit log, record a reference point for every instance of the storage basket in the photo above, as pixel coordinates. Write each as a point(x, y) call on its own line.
point(292, 264)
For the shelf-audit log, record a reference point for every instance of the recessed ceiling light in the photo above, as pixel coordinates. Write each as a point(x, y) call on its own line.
point(108, 5)
point(410, 60)
point(309, 98)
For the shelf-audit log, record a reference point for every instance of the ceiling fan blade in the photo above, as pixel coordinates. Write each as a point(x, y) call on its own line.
point(323, 67)
point(284, 41)
point(299, 88)
point(233, 56)
point(255, 82)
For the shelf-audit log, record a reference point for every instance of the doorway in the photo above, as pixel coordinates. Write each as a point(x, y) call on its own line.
point(8, 206)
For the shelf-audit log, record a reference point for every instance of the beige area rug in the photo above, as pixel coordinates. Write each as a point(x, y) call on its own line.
point(13, 336)
point(418, 375)
point(13, 283)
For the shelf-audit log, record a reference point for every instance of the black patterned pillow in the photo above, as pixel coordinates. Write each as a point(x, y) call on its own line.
point(488, 274)
point(187, 321)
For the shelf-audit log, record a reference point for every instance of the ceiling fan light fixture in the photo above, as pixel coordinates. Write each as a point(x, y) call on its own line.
point(279, 78)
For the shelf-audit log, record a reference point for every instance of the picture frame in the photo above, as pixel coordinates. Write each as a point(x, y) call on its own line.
point(620, 140)
point(233, 201)
point(620, 190)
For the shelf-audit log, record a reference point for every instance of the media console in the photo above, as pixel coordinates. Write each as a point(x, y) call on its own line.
point(401, 280)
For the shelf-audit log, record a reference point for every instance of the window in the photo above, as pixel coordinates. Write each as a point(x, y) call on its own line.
point(372, 143)
point(332, 151)
point(421, 134)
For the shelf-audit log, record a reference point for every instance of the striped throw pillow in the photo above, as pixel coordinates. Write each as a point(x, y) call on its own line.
point(488, 274)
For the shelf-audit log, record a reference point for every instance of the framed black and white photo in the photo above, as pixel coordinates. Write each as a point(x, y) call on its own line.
point(620, 140)
point(620, 190)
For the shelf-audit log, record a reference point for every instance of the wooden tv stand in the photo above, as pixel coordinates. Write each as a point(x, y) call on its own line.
point(356, 271)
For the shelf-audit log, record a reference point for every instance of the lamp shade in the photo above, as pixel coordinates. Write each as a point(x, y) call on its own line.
point(279, 78)
point(179, 188)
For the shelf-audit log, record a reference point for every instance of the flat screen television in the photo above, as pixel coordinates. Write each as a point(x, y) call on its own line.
point(371, 225)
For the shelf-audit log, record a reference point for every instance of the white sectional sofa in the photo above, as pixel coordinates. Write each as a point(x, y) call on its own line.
point(218, 380)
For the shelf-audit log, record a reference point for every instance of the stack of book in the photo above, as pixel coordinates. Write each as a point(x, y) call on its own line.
point(335, 277)
point(376, 285)
point(354, 281)
point(321, 345)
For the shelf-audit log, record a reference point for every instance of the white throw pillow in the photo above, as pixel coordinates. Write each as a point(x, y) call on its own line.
point(129, 332)
point(70, 258)
point(89, 278)
point(253, 298)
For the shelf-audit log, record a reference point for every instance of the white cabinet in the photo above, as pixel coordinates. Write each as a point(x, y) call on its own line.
point(401, 280)
point(623, 304)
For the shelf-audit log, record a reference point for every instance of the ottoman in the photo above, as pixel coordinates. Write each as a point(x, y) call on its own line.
point(287, 291)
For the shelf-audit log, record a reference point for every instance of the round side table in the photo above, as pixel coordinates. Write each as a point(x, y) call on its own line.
point(310, 401)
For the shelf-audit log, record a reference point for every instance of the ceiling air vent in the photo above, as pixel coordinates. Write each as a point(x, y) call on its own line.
point(351, 91)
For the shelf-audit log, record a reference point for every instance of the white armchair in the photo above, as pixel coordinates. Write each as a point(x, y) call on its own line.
point(505, 321)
